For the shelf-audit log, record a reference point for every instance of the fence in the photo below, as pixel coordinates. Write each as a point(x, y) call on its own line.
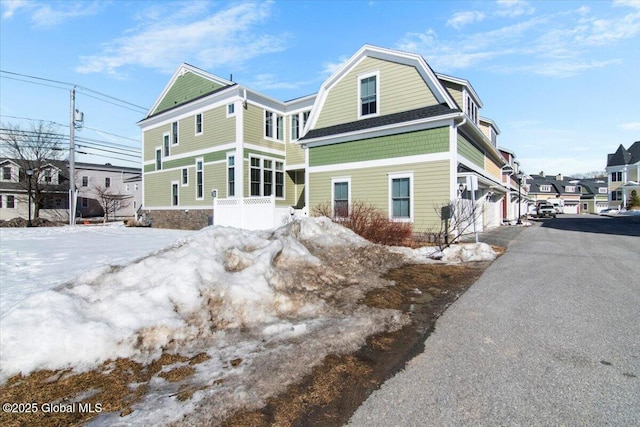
point(251, 213)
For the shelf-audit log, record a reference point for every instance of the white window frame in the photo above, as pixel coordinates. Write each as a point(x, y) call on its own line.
point(175, 136)
point(603, 190)
point(274, 171)
point(570, 189)
point(195, 123)
point(158, 160)
point(176, 185)
point(275, 119)
point(412, 203)
point(107, 182)
point(11, 174)
point(235, 169)
point(166, 144)
point(340, 180)
point(230, 113)
point(198, 183)
point(182, 176)
point(545, 188)
point(297, 118)
point(361, 77)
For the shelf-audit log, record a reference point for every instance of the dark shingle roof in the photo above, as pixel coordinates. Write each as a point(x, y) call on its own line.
point(374, 122)
point(620, 157)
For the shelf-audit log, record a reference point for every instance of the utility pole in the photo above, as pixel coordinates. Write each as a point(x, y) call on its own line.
point(72, 166)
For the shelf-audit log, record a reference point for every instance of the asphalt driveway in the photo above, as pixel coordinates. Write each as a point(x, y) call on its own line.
point(549, 335)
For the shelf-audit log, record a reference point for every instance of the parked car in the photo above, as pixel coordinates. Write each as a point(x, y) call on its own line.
point(546, 211)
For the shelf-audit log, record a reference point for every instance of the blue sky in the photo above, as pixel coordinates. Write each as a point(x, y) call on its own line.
point(561, 79)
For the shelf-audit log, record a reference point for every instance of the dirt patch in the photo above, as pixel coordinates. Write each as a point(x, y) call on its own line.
point(335, 389)
point(328, 396)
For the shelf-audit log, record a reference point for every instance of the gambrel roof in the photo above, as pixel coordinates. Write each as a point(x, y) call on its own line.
point(622, 156)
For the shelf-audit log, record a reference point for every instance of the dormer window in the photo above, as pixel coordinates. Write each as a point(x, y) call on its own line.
point(570, 189)
point(6, 173)
point(368, 95)
point(545, 188)
point(471, 109)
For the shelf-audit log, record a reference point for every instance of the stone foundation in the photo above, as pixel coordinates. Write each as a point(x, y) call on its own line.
point(181, 219)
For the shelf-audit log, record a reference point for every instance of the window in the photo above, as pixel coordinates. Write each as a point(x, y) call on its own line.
point(158, 159)
point(616, 195)
point(231, 176)
point(262, 177)
point(295, 127)
point(11, 202)
point(185, 176)
point(585, 207)
point(602, 190)
point(174, 133)
point(268, 124)
point(616, 176)
point(46, 176)
point(401, 191)
point(85, 181)
point(165, 144)
point(84, 202)
point(6, 173)
point(545, 188)
point(279, 179)
point(198, 124)
point(174, 194)
point(341, 198)
point(199, 179)
point(270, 120)
point(368, 96)
point(107, 182)
point(231, 110)
point(255, 176)
point(305, 118)
point(570, 189)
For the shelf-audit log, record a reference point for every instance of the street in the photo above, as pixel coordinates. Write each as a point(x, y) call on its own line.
point(549, 335)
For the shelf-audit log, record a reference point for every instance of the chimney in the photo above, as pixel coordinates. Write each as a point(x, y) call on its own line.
point(559, 177)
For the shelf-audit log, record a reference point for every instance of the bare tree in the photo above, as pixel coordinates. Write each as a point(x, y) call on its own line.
point(35, 149)
point(457, 219)
point(110, 201)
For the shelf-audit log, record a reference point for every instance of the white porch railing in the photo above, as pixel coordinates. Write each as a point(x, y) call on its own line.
point(251, 213)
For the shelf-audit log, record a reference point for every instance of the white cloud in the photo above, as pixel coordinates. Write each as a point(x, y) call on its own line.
point(514, 8)
point(559, 44)
point(460, 19)
point(49, 15)
point(267, 82)
point(630, 3)
point(328, 68)
point(631, 126)
point(227, 37)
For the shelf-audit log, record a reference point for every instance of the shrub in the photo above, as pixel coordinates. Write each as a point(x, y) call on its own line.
point(369, 222)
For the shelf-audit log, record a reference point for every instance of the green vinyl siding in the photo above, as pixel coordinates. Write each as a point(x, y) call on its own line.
point(401, 88)
point(254, 128)
point(466, 149)
point(157, 186)
point(385, 147)
point(371, 185)
point(186, 88)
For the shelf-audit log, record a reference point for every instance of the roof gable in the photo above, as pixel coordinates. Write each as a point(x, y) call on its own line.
point(186, 84)
point(428, 77)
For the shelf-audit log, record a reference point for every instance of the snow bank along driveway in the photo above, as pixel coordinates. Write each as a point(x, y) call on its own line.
point(279, 301)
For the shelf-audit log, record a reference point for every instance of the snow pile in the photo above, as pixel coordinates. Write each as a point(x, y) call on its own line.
point(273, 302)
point(468, 253)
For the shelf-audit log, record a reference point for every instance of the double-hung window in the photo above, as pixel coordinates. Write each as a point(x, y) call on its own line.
point(267, 174)
point(6, 173)
point(295, 127)
point(85, 181)
point(368, 88)
point(231, 176)
point(271, 121)
point(401, 195)
point(165, 144)
point(158, 159)
point(185, 177)
point(268, 124)
point(199, 124)
point(262, 174)
point(107, 182)
point(279, 179)
point(174, 133)
point(340, 196)
point(199, 179)
point(174, 194)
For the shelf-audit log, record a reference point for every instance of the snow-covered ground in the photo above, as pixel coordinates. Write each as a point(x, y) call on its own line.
point(278, 300)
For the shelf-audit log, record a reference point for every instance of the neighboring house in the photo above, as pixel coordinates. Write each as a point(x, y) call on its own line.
point(570, 195)
point(50, 189)
point(594, 195)
point(516, 201)
point(623, 169)
point(118, 187)
point(384, 129)
point(91, 179)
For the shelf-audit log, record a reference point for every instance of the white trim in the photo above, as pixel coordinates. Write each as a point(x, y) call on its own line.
point(337, 180)
point(361, 77)
point(199, 159)
point(182, 169)
point(235, 174)
point(177, 184)
point(403, 127)
point(274, 123)
point(399, 175)
point(215, 162)
point(201, 152)
point(155, 159)
point(175, 136)
point(295, 167)
point(273, 151)
point(195, 124)
point(396, 161)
